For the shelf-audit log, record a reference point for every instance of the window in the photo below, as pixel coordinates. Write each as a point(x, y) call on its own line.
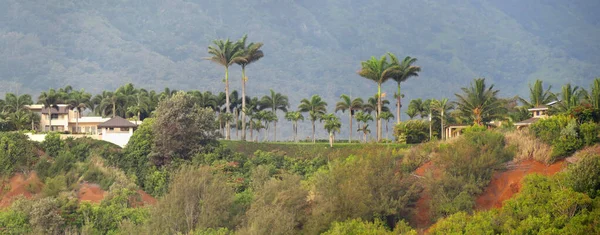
point(111, 129)
point(537, 113)
point(125, 129)
point(54, 116)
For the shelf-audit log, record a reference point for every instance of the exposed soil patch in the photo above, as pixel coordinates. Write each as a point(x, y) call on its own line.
point(90, 193)
point(421, 217)
point(507, 183)
point(146, 198)
point(18, 185)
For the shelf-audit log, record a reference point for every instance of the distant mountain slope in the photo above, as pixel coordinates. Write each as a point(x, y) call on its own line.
point(311, 47)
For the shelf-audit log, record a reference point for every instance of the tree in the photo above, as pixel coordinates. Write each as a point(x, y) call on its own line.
point(387, 116)
point(316, 107)
point(204, 100)
point(110, 103)
point(379, 71)
point(251, 53)
point(294, 117)
point(50, 100)
point(428, 108)
point(276, 101)
point(267, 117)
point(538, 96)
point(225, 53)
point(593, 96)
point(250, 110)
point(141, 104)
point(180, 128)
point(442, 106)
point(80, 101)
point(412, 113)
point(14, 103)
point(332, 124)
point(352, 105)
point(364, 118)
point(570, 97)
point(479, 103)
point(407, 70)
point(417, 106)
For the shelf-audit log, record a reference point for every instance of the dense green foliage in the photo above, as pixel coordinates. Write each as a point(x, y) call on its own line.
point(565, 134)
point(17, 153)
point(412, 131)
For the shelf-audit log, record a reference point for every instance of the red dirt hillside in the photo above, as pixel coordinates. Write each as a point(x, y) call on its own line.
point(507, 183)
point(18, 185)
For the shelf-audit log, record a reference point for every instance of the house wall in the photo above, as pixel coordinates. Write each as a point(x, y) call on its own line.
point(59, 124)
point(120, 139)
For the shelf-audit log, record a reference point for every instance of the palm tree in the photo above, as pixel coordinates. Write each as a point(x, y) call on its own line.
point(332, 124)
point(412, 113)
point(537, 95)
point(294, 117)
point(352, 105)
point(80, 101)
point(142, 103)
point(379, 71)
point(109, 102)
point(251, 53)
point(387, 116)
point(365, 118)
point(267, 117)
point(479, 103)
point(593, 96)
point(442, 106)
point(316, 107)
point(235, 103)
point(166, 94)
point(14, 103)
point(250, 110)
point(417, 106)
point(428, 108)
point(276, 101)
point(570, 97)
point(407, 70)
point(225, 53)
point(50, 100)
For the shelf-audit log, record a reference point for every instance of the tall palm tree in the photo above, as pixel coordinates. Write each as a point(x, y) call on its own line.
point(442, 106)
point(294, 117)
point(276, 101)
point(538, 96)
point(479, 103)
point(316, 107)
point(166, 94)
point(250, 110)
point(570, 97)
point(251, 53)
point(407, 70)
point(235, 103)
point(225, 53)
point(417, 106)
point(387, 116)
point(141, 103)
point(352, 105)
point(428, 108)
point(80, 101)
point(379, 71)
point(50, 100)
point(332, 125)
point(109, 103)
point(593, 96)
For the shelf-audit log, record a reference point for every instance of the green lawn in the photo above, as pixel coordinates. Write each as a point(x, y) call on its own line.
point(306, 149)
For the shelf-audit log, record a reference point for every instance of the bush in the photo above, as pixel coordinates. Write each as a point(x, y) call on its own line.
point(413, 131)
point(52, 144)
point(528, 147)
point(54, 186)
point(17, 153)
point(63, 163)
point(549, 128)
point(584, 176)
point(568, 141)
point(14, 222)
point(360, 227)
point(589, 131)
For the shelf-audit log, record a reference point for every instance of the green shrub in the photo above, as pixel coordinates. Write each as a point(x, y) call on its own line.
point(156, 183)
point(14, 222)
point(584, 176)
point(52, 144)
point(589, 131)
point(413, 131)
point(17, 153)
point(62, 163)
point(568, 141)
point(549, 129)
point(55, 185)
point(358, 227)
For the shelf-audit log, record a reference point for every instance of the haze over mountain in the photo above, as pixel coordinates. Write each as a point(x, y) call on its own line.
point(311, 47)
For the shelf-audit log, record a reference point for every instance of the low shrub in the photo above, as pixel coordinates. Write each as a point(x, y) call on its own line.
point(589, 131)
point(52, 144)
point(528, 147)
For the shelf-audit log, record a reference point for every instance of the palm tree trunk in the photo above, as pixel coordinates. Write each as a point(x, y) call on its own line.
point(330, 140)
point(77, 123)
point(266, 132)
point(379, 129)
point(275, 131)
point(313, 133)
point(227, 127)
point(114, 109)
point(243, 103)
point(350, 137)
point(387, 131)
point(251, 129)
point(398, 105)
point(50, 117)
point(138, 117)
point(237, 119)
point(442, 121)
point(430, 131)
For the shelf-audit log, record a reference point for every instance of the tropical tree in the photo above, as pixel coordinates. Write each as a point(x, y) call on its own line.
point(251, 53)
point(166, 94)
point(332, 125)
point(250, 110)
point(593, 96)
point(352, 105)
point(569, 97)
point(538, 96)
point(418, 107)
point(235, 103)
point(141, 103)
point(442, 106)
point(316, 107)
point(379, 71)
point(109, 103)
point(428, 108)
point(294, 117)
point(80, 101)
point(50, 100)
point(479, 103)
point(266, 116)
point(387, 116)
point(225, 53)
point(276, 101)
point(407, 70)
point(13, 103)
point(364, 118)
point(412, 113)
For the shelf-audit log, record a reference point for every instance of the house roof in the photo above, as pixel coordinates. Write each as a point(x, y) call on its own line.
point(538, 108)
point(61, 110)
point(117, 122)
point(527, 121)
